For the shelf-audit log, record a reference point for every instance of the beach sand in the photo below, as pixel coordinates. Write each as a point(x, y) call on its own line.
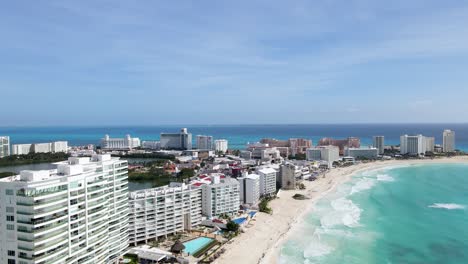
point(261, 243)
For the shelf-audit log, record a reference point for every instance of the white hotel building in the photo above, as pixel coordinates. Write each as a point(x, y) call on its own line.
point(222, 196)
point(4, 146)
point(448, 141)
point(165, 210)
point(221, 145)
point(413, 145)
point(267, 181)
point(126, 143)
point(77, 213)
point(249, 189)
point(204, 142)
point(50, 147)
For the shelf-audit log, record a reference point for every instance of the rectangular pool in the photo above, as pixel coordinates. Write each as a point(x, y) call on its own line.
point(194, 245)
point(240, 221)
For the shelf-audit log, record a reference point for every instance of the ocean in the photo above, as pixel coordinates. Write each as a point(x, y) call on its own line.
point(239, 135)
point(413, 214)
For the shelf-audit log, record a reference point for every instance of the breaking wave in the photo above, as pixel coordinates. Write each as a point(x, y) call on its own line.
point(448, 206)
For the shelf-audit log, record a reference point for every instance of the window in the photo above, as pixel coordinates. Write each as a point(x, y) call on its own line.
point(10, 209)
point(11, 253)
point(10, 227)
point(10, 218)
point(11, 261)
point(9, 192)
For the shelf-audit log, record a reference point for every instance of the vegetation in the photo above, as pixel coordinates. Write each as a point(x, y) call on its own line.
point(159, 177)
point(224, 216)
point(302, 186)
point(263, 206)
point(6, 174)
point(298, 196)
point(232, 226)
point(132, 257)
point(32, 158)
point(299, 156)
point(186, 173)
point(204, 249)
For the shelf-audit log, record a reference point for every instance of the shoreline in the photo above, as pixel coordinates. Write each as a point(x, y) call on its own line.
point(262, 242)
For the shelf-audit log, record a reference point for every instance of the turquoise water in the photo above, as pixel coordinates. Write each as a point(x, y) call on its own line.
point(415, 214)
point(196, 244)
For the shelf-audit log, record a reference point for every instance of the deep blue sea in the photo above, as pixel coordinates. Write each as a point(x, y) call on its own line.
point(239, 135)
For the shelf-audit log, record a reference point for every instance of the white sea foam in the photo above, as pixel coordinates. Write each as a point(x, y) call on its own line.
point(345, 213)
point(385, 178)
point(362, 185)
point(317, 249)
point(448, 206)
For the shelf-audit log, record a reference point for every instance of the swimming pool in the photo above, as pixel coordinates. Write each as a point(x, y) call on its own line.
point(239, 220)
point(252, 214)
point(194, 245)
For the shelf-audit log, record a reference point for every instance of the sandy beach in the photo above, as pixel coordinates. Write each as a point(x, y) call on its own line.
point(261, 243)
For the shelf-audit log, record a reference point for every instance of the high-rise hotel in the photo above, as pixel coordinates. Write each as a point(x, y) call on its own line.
point(77, 213)
point(164, 210)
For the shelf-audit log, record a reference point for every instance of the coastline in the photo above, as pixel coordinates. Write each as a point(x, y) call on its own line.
point(262, 242)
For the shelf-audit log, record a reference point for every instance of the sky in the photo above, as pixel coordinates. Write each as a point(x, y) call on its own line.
point(233, 62)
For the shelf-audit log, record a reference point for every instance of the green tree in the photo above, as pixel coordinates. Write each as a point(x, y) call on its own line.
point(232, 226)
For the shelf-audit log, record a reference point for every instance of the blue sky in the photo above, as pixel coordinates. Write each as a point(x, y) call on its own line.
point(231, 62)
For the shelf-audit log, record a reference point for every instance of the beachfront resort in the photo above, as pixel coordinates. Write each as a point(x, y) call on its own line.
point(214, 204)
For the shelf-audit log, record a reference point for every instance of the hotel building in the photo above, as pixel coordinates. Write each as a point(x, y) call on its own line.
point(221, 196)
point(413, 145)
point(180, 141)
point(379, 143)
point(162, 211)
point(249, 189)
point(76, 213)
point(362, 153)
point(4, 146)
point(430, 144)
point(325, 153)
point(448, 141)
point(288, 176)
point(126, 143)
point(51, 147)
point(267, 181)
point(204, 142)
point(221, 145)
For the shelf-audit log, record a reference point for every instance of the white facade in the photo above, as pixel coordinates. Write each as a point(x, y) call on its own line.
point(222, 196)
point(21, 149)
point(154, 145)
point(4, 146)
point(76, 213)
point(164, 210)
point(326, 153)
point(204, 142)
point(51, 147)
point(367, 153)
point(430, 144)
point(181, 141)
point(413, 145)
point(126, 143)
point(379, 143)
point(249, 189)
point(221, 145)
point(448, 141)
point(267, 181)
